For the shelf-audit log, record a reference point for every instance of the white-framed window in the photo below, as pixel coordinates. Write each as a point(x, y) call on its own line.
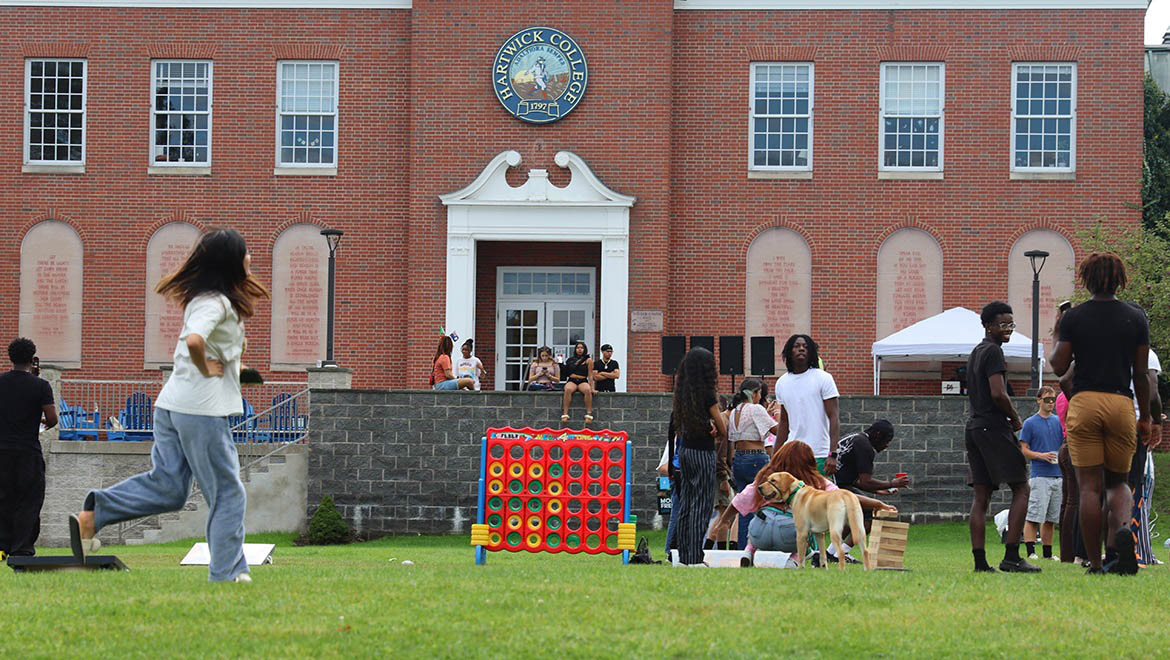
point(1044, 116)
point(306, 122)
point(180, 112)
point(781, 116)
point(54, 111)
point(912, 105)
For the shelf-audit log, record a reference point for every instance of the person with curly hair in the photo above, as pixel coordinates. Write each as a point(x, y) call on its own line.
point(697, 425)
point(808, 400)
point(1109, 340)
point(25, 403)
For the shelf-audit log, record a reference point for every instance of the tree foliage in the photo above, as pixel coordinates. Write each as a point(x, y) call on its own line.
point(1156, 161)
point(327, 527)
point(1146, 253)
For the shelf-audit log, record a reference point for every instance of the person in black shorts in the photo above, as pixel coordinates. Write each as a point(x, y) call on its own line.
point(25, 402)
point(605, 371)
point(993, 453)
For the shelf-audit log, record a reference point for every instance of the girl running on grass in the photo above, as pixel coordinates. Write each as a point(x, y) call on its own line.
point(216, 289)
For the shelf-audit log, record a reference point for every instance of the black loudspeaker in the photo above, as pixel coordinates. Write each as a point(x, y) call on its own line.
point(673, 348)
point(763, 356)
point(731, 355)
point(705, 342)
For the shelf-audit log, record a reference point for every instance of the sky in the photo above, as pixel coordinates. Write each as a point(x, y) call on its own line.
point(1157, 20)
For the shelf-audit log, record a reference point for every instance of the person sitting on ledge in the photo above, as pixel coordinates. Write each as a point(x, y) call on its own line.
point(442, 377)
point(579, 371)
point(544, 374)
point(606, 371)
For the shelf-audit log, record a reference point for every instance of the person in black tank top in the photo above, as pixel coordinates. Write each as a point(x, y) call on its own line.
point(579, 378)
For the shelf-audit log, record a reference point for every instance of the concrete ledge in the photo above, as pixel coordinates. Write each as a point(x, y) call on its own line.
point(53, 169)
point(305, 171)
point(179, 170)
point(1043, 176)
point(900, 175)
point(781, 174)
point(144, 447)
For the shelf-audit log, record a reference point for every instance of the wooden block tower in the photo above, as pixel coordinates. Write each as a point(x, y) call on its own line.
point(887, 541)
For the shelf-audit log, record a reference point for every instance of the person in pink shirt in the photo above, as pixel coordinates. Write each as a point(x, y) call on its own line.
point(772, 527)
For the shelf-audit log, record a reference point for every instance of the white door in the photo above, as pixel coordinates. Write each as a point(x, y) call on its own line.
point(540, 307)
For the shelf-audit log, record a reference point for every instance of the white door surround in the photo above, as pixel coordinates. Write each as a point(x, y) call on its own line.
point(585, 210)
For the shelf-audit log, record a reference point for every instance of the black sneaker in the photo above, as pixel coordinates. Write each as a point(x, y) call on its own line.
point(832, 558)
point(985, 569)
point(1018, 566)
point(1126, 561)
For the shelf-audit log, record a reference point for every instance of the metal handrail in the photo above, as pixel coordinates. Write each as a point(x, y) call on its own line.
point(123, 527)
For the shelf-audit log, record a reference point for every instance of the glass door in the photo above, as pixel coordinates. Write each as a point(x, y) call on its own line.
point(540, 307)
point(523, 332)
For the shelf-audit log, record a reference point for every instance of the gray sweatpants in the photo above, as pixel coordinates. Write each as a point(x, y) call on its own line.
point(186, 445)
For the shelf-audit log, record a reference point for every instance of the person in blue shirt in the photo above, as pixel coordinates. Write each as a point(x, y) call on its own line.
point(1040, 440)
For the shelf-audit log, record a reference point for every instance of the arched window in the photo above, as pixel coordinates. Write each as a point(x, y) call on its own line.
point(300, 275)
point(1057, 280)
point(50, 292)
point(778, 294)
point(909, 280)
point(165, 252)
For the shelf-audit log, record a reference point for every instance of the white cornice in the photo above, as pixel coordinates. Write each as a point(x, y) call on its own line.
point(910, 4)
point(217, 4)
point(491, 187)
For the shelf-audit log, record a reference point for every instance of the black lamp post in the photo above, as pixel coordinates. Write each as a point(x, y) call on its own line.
point(333, 236)
point(1036, 256)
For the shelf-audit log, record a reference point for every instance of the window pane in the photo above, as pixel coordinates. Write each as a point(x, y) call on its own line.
point(1044, 94)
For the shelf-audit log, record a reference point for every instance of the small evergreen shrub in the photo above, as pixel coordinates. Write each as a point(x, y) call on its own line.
point(327, 527)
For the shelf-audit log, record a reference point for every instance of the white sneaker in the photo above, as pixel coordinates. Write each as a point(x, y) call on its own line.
point(1054, 558)
point(243, 578)
point(1033, 556)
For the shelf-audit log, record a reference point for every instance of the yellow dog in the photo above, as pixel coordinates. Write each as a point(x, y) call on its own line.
point(817, 511)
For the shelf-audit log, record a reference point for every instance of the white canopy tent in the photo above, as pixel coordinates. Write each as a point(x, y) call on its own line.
point(947, 336)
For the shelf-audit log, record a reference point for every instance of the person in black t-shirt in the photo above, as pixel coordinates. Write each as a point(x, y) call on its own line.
point(1110, 341)
point(856, 455)
point(993, 453)
point(25, 403)
point(605, 370)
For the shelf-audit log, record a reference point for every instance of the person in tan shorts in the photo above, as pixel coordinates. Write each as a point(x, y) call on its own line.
point(1109, 340)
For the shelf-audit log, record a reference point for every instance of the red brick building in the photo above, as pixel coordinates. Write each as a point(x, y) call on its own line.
point(744, 167)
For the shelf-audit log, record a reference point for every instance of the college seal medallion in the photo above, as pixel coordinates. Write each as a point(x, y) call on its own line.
point(540, 75)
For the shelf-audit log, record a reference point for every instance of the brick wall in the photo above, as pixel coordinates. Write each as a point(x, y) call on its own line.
point(664, 119)
point(407, 462)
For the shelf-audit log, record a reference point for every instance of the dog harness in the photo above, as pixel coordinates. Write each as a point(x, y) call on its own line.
point(799, 485)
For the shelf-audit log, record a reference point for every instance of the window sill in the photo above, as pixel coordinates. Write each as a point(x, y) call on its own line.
point(780, 174)
point(305, 171)
point(53, 169)
point(1043, 176)
point(899, 175)
point(179, 170)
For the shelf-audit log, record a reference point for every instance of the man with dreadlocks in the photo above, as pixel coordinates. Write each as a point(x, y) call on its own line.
point(1110, 341)
point(808, 403)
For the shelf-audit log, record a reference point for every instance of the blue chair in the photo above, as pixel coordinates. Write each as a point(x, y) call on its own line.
point(137, 418)
point(284, 418)
point(66, 422)
point(87, 424)
point(248, 429)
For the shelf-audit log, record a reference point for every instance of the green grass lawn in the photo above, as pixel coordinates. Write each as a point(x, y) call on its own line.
point(352, 601)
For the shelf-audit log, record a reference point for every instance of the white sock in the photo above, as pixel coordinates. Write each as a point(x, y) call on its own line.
point(845, 547)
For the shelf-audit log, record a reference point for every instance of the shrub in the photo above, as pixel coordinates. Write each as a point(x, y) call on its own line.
point(327, 527)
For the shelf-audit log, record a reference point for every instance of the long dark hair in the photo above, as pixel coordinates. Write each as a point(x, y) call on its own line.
point(744, 395)
point(575, 359)
point(694, 387)
point(216, 263)
point(814, 357)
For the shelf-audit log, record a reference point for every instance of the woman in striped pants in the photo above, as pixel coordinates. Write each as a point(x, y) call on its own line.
point(697, 425)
